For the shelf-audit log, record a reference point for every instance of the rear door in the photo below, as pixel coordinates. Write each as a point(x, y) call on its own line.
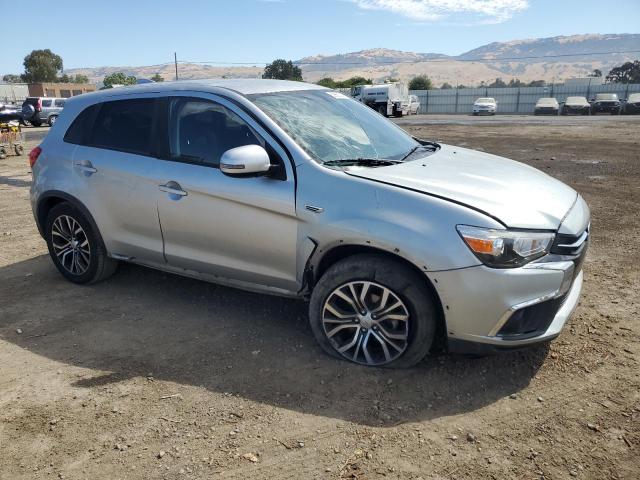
point(241, 229)
point(114, 170)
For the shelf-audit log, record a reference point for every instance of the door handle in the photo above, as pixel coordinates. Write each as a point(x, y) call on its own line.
point(86, 167)
point(172, 188)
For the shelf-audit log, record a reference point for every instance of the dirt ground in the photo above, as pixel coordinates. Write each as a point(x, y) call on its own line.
point(153, 376)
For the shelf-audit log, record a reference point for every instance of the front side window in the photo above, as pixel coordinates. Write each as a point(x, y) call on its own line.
point(331, 126)
point(200, 131)
point(124, 125)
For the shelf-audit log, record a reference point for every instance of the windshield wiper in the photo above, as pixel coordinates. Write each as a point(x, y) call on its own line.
point(377, 162)
point(427, 145)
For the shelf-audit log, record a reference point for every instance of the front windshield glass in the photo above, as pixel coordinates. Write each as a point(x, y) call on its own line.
point(331, 126)
point(606, 96)
point(576, 100)
point(485, 100)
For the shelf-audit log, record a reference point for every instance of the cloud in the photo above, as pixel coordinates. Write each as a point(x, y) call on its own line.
point(481, 11)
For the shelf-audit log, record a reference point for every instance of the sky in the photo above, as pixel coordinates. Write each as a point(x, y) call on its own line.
point(147, 32)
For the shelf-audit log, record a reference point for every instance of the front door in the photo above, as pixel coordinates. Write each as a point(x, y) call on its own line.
point(242, 229)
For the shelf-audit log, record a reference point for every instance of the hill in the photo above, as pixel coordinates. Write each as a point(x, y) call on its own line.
point(565, 57)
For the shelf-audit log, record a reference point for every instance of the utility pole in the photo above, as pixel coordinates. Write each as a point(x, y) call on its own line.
point(175, 61)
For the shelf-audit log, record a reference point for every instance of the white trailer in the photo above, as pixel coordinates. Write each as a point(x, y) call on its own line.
point(387, 99)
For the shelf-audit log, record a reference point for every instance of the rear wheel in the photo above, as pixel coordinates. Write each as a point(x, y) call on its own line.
point(75, 247)
point(374, 311)
point(382, 110)
point(36, 123)
point(52, 119)
point(3, 153)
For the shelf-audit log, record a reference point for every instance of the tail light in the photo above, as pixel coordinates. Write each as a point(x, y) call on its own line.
point(39, 105)
point(33, 156)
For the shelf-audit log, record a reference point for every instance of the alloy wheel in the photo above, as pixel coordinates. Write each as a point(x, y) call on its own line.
point(71, 245)
point(366, 322)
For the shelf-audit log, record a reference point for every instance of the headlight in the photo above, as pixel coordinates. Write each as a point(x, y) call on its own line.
point(505, 248)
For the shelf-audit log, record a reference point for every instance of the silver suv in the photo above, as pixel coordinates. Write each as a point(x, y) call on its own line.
point(39, 110)
point(292, 189)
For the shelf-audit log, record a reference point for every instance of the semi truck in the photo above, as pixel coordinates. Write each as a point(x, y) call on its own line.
point(388, 99)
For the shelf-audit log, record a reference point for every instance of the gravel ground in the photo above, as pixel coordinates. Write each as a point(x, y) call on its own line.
point(150, 375)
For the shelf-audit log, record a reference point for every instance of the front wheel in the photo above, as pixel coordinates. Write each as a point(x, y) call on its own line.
point(52, 119)
point(375, 311)
point(382, 110)
point(75, 247)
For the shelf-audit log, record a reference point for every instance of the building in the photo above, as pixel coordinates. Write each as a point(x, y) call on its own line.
point(13, 92)
point(63, 90)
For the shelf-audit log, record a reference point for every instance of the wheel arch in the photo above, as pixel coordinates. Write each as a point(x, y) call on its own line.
point(50, 199)
point(322, 259)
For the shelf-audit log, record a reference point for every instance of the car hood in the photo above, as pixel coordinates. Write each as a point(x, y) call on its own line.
point(514, 193)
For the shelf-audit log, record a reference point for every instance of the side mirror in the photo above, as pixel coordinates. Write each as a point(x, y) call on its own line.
point(245, 160)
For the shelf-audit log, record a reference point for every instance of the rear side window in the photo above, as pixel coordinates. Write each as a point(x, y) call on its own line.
point(80, 129)
point(46, 103)
point(124, 125)
point(59, 103)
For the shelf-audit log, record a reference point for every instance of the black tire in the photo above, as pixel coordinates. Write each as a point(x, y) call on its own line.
point(51, 120)
point(382, 110)
point(100, 265)
point(36, 123)
point(19, 149)
point(405, 283)
point(3, 153)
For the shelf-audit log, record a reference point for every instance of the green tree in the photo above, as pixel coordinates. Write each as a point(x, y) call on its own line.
point(157, 78)
point(41, 66)
point(327, 82)
point(352, 82)
point(118, 78)
point(537, 83)
point(446, 86)
point(11, 78)
point(497, 83)
point(281, 69)
point(597, 73)
point(421, 82)
point(628, 72)
point(80, 78)
point(515, 82)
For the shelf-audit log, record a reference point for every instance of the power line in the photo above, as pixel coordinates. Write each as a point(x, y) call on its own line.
point(426, 60)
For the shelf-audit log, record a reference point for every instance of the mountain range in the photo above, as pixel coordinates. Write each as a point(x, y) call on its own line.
point(550, 59)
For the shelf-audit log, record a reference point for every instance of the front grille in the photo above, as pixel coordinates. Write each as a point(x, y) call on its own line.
point(566, 244)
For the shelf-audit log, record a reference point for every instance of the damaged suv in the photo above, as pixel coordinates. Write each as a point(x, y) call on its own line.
point(293, 189)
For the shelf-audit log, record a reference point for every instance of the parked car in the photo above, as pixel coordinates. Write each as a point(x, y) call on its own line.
point(546, 106)
point(606, 103)
point(632, 105)
point(39, 110)
point(9, 113)
point(414, 104)
point(485, 105)
point(292, 189)
point(576, 106)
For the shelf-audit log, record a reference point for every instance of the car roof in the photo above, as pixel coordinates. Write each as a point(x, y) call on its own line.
point(244, 86)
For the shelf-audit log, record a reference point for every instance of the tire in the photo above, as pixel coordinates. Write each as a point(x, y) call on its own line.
point(382, 110)
point(379, 272)
point(19, 149)
point(93, 264)
point(51, 120)
point(3, 153)
point(36, 123)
